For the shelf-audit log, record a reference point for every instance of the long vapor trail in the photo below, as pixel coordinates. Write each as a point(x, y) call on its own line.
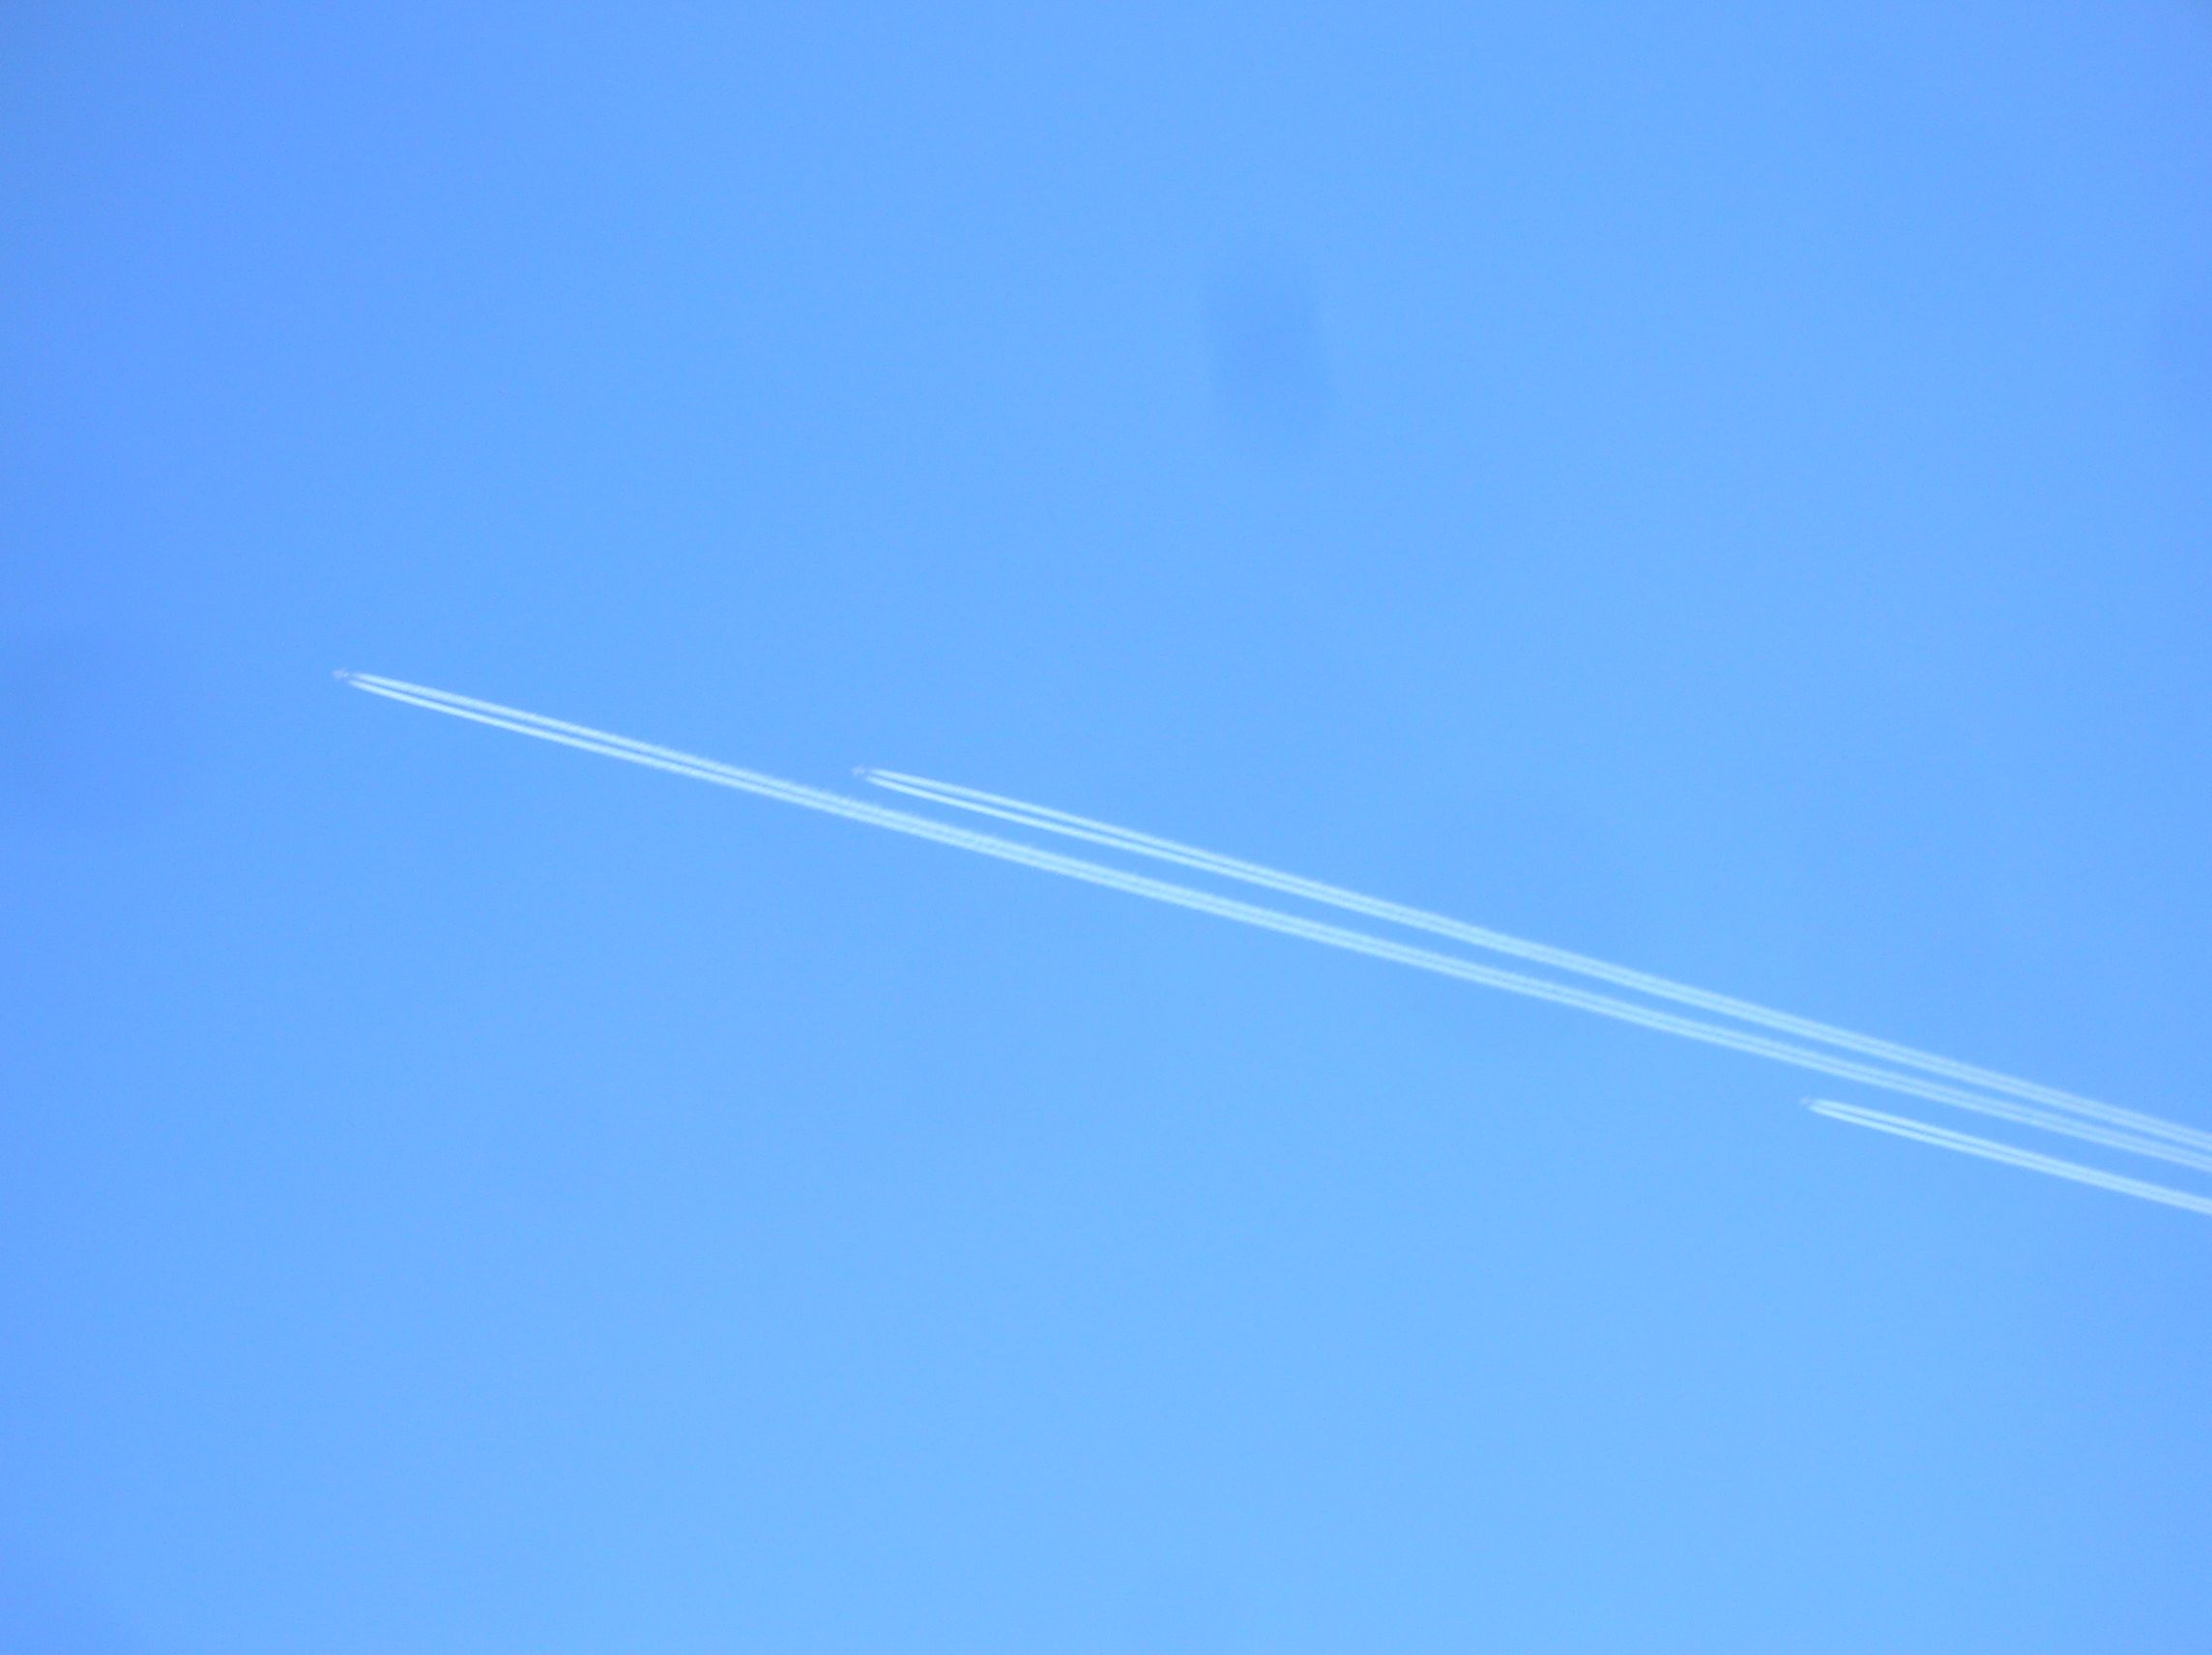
point(669, 759)
point(1966, 1143)
point(1069, 825)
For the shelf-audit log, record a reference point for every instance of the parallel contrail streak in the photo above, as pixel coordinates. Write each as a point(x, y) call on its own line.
point(669, 759)
point(1074, 826)
point(1919, 1131)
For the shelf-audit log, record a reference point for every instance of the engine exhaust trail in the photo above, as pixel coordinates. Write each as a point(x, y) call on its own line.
point(674, 761)
point(1966, 1143)
point(1069, 825)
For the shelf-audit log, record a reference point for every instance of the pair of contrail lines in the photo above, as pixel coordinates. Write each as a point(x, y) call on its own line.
point(1966, 1143)
point(1497, 942)
point(2022, 1102)
point(2137, 1132)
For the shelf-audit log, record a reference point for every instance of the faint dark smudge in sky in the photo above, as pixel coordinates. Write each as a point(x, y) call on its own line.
point(91, 732)
point(1270, 373)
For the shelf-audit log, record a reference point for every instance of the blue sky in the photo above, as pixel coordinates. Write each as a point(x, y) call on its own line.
point(1721, 489)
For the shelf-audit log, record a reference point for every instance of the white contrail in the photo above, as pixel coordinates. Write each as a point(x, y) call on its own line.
point(669, 759)
point(1919, 1131)
point(1127, 839)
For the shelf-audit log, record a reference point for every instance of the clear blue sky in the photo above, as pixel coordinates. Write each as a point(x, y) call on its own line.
point(1722, 487)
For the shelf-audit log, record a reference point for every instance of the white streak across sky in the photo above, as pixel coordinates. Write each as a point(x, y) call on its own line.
point(1073, 826)
point(2017, 1101)
point(1966, 1143)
